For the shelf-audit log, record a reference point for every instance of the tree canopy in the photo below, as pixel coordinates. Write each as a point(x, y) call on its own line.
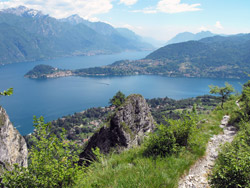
point(118, 99)
point(224, 92)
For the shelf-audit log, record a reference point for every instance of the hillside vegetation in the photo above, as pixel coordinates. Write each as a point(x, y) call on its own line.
point(232, 168)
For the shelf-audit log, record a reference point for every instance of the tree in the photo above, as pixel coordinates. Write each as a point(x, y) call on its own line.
point(223, 91)
point(118, 99)
point(52, 162)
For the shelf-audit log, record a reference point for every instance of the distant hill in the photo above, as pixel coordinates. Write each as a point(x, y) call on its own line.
point(187, 36)
point(216, 56)
point(28, 35)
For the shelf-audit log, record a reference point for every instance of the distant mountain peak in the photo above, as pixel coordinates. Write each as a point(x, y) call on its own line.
point(23, 11)
point(74, 19)
point(187, 36)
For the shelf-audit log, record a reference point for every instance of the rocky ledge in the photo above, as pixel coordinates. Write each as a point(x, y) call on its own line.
point(127, 128)
point(13, 148)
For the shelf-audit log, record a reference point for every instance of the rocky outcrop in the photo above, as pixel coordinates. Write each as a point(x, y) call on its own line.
point(127, 127)
point(13, 148)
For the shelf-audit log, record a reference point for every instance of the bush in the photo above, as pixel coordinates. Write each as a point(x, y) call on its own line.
point(52, 163)
point(170, 138)
point(162, 143)
point(232, 167)
point(118, 99)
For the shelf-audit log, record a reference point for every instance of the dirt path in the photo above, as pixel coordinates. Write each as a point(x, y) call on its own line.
point(197, 176)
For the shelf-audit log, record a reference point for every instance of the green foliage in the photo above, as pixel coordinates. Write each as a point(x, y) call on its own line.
point(162, 108)
point(132, 169)
point(170, 139)
point(7, 93)
point(223, 91)
point(78, 126)
point(52, 163)
point(194, 109)
point(118, 99)
point(232, 167)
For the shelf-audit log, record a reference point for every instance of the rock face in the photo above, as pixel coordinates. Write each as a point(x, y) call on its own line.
point(127, 127)
point(13, 148)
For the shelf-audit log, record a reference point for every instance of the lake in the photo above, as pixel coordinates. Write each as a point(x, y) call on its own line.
point(54, 98)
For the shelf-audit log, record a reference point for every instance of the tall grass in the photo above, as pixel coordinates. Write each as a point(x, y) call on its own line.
point(132, 169)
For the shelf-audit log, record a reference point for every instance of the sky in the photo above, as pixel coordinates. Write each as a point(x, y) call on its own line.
point(159, 19)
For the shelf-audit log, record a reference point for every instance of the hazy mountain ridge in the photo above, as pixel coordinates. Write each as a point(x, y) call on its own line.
point(33, 36)
point(123, 34)
point(187, 36)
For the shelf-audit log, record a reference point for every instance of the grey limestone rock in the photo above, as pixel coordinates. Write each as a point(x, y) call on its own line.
point(127, 128)
point(13, 148)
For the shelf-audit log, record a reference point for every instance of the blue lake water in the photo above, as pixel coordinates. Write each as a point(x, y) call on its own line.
point(53, 98)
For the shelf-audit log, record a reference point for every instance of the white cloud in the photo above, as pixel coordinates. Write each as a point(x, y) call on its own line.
point(203, 28)
point(218, 25)
point(175, 6)
point(170, 6)
point(148, 10)
point(64, 8)
point(128, 2)
point(130, 27)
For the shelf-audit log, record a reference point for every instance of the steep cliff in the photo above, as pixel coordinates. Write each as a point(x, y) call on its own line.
point(13, 147)
point(127, 127)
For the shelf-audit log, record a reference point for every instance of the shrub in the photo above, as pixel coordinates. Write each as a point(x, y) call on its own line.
point(170, 138)
point(232, 167)
point(118, 99)
point(52, 163)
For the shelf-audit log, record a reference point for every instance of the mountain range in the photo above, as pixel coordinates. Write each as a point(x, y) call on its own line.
point(187, 36)
point(29, 35)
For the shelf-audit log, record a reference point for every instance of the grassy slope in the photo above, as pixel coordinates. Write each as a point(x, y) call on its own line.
point(132, 169)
